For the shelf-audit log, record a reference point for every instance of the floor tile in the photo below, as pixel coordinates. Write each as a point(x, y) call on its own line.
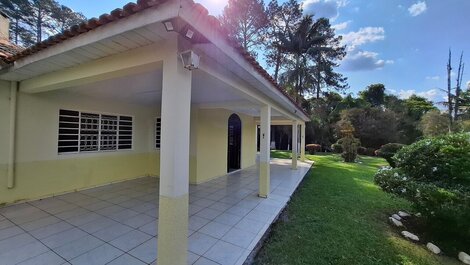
point(50, 230)
point(196, 222)
point(18, 255)
point(150, 228)
point(112, 232)
point(64, 237)
point(146, 252)
point(15, 242)
point(199, 243)
point(9, 232)
point(214, 229)
point(204, 261)
point(40, 223)
point(78, 247)
point(210, 214)
point(126, 260)
point(228, 219)
point(130, 240)
point(98, 256)
point(138, 220)
point(250, 225)
point(224, 253)
point(192, 257)
point(239, 237)
point(47, 258)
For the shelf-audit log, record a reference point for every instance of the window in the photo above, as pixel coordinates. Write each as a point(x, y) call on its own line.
point(158, 132)
point(92, 132)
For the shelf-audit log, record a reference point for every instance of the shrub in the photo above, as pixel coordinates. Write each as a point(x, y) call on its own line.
point(444, 159)
point(362, 150)
point(370, 151)
point(445, 209)
point(337, 148)
point(312, 148)
point(387, 151)
point(350, 146)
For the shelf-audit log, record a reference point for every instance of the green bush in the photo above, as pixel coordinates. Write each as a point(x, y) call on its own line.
point(362, 150)
point(444, 159)
point(312, 148)
point(350, 146)
point(387, 151)
point(446, 209)
point(337, 148)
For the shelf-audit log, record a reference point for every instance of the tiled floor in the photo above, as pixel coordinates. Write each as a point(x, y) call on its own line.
point(117, 223)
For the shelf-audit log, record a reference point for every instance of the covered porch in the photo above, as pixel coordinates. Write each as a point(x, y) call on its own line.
point(117, 223)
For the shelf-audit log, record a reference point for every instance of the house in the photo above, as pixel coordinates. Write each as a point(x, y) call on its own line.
point(152, 89)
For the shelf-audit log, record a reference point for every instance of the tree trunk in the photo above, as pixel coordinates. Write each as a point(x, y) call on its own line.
point(458, 87)
point(277, 64)
point(449, 92)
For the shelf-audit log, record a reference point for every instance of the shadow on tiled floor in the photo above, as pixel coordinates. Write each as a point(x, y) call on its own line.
point(117, 223)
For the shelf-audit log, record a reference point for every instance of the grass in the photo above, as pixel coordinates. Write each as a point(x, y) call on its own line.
point(339, 216)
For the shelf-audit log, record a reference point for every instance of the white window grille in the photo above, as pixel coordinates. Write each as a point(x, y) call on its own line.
point(92, 132)
point(158, 132)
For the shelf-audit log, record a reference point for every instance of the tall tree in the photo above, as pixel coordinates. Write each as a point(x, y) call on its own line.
point(374, 94)
point(246, 21)
point(42, 11)
point(280, 17)
point(458, 88)
point(64, 18)
point(18, 12)
point(303, 42)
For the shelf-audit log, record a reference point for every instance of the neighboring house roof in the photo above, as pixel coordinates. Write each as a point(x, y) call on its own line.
point(8, 49)
point(133, 8)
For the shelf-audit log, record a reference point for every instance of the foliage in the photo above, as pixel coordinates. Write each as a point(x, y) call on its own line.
point(434, 123)
point(350, 146)
point(444, 159)
point(34, 20)
point(312, 148)
point(312, 51)
point(387, 151)
point(338, 216)
point(373, 126)
point(337, 147)
point(246, 22)
point(374, 94)
point(280, 17)
point(446, 209)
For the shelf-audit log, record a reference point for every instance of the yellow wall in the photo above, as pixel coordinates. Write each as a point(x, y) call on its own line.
point(212, 143)
point(41, 171)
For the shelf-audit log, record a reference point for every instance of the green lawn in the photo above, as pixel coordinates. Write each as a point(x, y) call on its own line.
point(338, 216)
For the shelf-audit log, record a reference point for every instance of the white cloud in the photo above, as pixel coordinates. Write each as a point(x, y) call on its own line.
point(323, 8)
point(468, 85)
point(435, 95)
point(363, 60)
point(417, 9)
point(435, 78)
point(363, 36)
point(341, 26)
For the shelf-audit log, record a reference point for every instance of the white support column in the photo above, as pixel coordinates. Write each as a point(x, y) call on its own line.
point(302, 142)
point(265, 155)
point(174, 162)
point(295, 132)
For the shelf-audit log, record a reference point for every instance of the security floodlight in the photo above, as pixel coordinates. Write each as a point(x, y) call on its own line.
point(189, 34)
point(190, 60)
point(168, 25)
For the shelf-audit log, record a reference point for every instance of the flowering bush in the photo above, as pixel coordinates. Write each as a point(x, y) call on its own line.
point(446, 208)
point(444, 159)
point(312, 148)
point(434, 175)
point(387, 151)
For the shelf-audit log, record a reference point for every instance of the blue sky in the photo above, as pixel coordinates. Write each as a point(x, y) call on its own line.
point(400, 43)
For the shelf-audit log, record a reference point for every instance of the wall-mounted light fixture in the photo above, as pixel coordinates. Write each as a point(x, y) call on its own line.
point(190, 60)
point(169, 25)
point(189, 34)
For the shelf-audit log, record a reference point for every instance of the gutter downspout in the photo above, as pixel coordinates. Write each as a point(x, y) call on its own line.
point(12, 139)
